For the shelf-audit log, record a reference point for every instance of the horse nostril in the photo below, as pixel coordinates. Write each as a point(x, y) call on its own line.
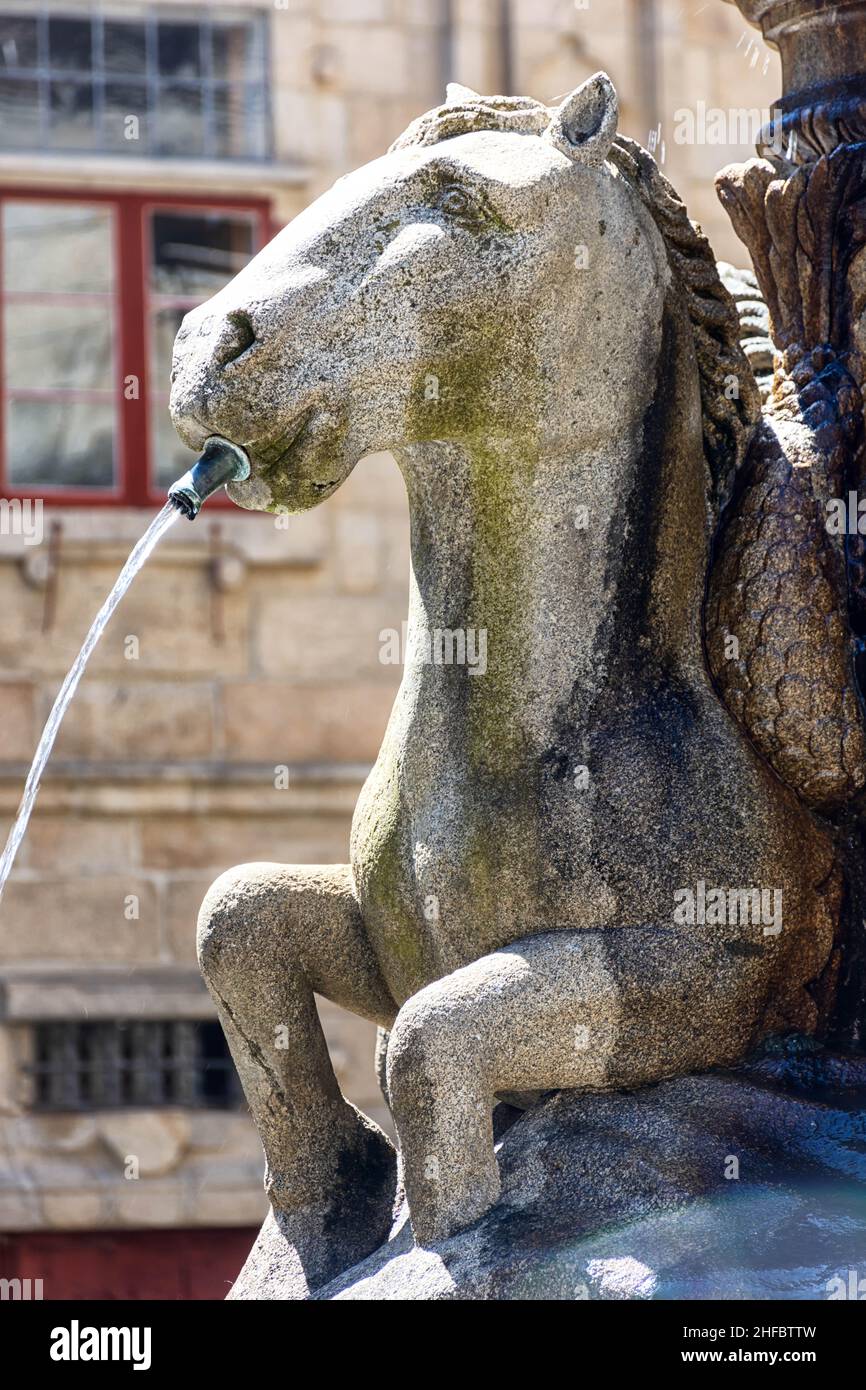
point(239, 336)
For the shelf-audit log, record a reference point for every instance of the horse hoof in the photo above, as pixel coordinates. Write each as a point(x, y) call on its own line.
point(297, 1252)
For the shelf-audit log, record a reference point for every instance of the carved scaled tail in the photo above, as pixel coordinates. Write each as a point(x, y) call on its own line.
point(786, 606)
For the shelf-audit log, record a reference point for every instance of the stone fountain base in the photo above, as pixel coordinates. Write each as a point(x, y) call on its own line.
point(749, 1185)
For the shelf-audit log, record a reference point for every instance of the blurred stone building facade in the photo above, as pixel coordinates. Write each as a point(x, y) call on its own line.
point(238, 698)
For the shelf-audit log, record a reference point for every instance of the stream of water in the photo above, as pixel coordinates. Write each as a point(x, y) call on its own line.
point(137, 558)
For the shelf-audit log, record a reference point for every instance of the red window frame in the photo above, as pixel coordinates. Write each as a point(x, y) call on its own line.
point(132, 211)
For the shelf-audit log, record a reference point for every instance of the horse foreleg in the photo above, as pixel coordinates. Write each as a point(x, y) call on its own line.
point(585, 1010)
point(270, 935)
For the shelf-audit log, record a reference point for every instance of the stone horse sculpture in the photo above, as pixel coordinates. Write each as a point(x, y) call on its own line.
point(514, 302)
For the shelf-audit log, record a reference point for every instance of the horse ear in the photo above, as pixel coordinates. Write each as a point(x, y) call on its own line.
point(584, 124)
point(458, 95)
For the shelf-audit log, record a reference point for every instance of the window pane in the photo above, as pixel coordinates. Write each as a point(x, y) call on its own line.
point(71, 115)
point(19, 42)
point(236, 51)
point(196, 253)
point(211, 99)
point(123, 100)
point(48, 345)
point(57, 247)
point(19, 113)
point(59, 443)
point(125, 47)
point(180, 127)
point(170, 457)
point(178, 50)
point(69, 44)
point(239, 122)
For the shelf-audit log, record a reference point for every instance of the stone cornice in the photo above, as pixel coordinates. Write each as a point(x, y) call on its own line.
point(152, 789)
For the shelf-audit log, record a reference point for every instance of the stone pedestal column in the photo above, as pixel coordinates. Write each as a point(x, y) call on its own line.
point(801, 210)
point(823, 50)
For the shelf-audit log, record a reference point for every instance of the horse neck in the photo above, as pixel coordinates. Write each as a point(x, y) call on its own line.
point(578, 559)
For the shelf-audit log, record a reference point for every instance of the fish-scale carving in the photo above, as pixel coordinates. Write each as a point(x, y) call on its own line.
point(777, 636)
point(787, 592)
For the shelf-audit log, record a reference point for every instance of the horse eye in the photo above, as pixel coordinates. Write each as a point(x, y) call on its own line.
point(456, 202)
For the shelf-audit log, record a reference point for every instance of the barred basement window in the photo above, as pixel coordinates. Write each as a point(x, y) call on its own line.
point(107, 1066)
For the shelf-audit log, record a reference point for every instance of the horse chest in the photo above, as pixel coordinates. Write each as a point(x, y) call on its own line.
point(446, 875)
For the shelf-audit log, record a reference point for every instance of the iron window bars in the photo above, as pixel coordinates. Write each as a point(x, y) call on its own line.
point(126, 1064)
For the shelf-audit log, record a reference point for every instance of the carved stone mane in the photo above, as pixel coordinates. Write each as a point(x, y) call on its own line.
point(730, 399)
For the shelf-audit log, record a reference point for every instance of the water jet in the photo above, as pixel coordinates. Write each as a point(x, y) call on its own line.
point(220, 462)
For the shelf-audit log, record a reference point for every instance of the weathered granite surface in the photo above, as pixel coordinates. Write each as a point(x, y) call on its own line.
point(633, 1196)
point(514, 300)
